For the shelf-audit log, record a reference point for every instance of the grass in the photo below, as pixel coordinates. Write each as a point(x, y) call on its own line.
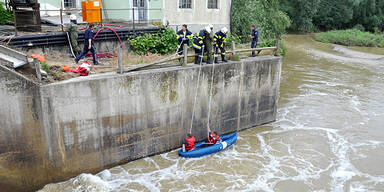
point(45, 66)
point(351, 37)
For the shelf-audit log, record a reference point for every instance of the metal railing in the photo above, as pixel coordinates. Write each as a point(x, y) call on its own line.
point(126, 17)
point(233, 51)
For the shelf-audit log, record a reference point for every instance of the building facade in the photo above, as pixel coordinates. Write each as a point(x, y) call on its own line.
point(197, 13)
point(114, 10)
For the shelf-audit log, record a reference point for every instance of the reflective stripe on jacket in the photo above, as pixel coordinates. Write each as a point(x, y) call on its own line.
point(198, 41)
point(220, 38)
point(180, 36)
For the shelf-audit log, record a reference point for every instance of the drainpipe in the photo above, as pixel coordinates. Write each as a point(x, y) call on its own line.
point(104, 9)
point(230, 17)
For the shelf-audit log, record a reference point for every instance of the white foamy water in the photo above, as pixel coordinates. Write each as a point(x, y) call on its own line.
point(328, 137)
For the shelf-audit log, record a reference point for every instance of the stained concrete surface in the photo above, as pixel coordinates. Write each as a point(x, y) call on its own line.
point(53, 132)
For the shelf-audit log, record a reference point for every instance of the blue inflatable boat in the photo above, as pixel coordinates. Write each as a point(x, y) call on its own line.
point(202, 149)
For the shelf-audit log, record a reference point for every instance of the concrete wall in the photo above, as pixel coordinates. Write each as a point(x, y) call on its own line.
point(154, 12)
point(22, 140)
point(124, 15)
point(199, 16)
point(57, 131)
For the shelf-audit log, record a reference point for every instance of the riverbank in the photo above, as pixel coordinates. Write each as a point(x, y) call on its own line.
point(351, 37)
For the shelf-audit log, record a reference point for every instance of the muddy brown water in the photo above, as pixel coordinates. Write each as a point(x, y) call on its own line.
point(329, 135)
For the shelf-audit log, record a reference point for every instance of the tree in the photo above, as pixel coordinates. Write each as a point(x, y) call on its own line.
point(334, 14)
point(301, 13)
point(307, 15)
point(265, 14)
point(369, 13)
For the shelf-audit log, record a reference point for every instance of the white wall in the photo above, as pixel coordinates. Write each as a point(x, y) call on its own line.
point(199, 16)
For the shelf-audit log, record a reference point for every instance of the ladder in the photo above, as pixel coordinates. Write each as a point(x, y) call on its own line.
point(17, 58)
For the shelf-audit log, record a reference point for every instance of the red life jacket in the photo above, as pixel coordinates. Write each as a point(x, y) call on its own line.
point(190, 143)
point(213, 139)
point(80, 70)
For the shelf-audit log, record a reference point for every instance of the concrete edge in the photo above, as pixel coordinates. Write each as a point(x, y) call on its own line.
point(158, 70)
point(18, 74)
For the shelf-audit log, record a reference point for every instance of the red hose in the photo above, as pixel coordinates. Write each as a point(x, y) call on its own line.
point(112, 26)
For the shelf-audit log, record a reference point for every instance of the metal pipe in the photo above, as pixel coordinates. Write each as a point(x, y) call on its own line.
point(59, 38)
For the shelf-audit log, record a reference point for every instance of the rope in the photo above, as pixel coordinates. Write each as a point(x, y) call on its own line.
point(197, 87)
point(70, 45)
point(210, 93)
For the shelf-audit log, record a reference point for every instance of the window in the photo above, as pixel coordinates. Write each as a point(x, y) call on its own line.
point(185, 4)
point(69, 3)
point(212, 4)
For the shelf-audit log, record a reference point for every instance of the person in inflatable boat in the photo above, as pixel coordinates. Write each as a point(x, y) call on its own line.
point(213, 138)
point(189, 142)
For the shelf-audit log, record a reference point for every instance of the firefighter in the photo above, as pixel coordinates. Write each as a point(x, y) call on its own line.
point(72, 30)
point(89, 46)
point(198, 43)
point(255, 38)
point(183, 36)
point(220, 40)
point(208, 45)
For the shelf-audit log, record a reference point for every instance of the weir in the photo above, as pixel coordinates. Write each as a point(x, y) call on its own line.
point(49, 133)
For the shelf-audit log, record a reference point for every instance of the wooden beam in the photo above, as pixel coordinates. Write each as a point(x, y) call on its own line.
point(174, 57)
point(37, 67)
point(277, 47)
point(120, 60)
point(185, 52)
point(253, 49)
point(233, 48)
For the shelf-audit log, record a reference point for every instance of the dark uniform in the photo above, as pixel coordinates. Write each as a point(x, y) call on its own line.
point(198, 43)
point(208, 47)
point(255, 39)
point(180, 35)
point(72, 30)
point(88, 35)
point(220, 40)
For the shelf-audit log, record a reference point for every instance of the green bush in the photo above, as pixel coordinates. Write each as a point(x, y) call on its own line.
point(272, 43)
point(44, 66)
point(359, 27)
point(233, 38)
point(351, 37)
point(5, 15)
point(163, 43)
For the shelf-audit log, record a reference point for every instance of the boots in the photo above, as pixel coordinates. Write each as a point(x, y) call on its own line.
point(223, 58)
point(197, 60)
point(216, 60)
point(208, 60)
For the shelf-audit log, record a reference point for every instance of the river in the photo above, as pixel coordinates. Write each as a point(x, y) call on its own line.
point(329, 135)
